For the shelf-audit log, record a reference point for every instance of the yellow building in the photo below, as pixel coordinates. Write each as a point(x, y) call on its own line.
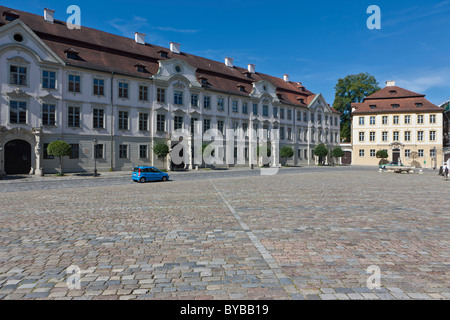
point(400, 121)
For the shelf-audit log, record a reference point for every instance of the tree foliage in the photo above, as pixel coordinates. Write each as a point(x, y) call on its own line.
point(321, 150)
point(382, 154)
point(352, 89)
point(59, 149)
point(286, 152)
point(161, 149)
point(337, 152)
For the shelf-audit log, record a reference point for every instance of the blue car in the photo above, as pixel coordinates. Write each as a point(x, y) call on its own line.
point(143, 174)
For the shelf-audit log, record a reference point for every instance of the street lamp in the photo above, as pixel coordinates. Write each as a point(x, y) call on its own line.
point(95, 156)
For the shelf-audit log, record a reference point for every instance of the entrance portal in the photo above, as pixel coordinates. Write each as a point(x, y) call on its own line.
point(395, 155)
point(17, 157)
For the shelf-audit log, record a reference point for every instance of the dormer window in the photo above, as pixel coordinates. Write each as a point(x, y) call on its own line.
point(419, 105)
point(241, 87)
point(301, 100)
point(71, 53)
point(203, 80)
point(395, 106)
point(10, 15)
point(279, 96)
point(140, 67)
point(247, 73)
point(393, 91)
point(164, 54)
point(372, 106)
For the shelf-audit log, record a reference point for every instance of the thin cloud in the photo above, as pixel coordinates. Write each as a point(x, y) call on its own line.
point(128, 28)
point(176, 30)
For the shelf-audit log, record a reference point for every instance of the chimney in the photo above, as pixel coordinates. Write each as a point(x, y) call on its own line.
point(251, 68)
point(390, 83)
point(139, 37)
point(175, 47)
point(48, 15)
point(229, 62)
point(286, 77)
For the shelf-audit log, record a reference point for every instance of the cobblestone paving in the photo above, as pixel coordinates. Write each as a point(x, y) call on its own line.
point(307, 235)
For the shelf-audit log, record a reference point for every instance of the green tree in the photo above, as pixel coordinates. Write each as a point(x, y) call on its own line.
point(321, 151)
point(337, 152)
point(161, 149)
point(59, 149)
point(286, 152)
point(352, 89)
point(383, 155)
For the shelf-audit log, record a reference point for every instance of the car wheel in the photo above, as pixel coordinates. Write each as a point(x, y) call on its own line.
point(142, 180)
point(164, 178)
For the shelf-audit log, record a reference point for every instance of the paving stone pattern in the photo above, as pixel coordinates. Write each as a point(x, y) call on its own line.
point(309, 235)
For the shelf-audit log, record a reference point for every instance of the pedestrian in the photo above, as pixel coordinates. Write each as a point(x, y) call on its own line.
point(445, 171)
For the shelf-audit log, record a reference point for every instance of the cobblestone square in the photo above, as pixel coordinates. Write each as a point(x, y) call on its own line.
point(298, 235)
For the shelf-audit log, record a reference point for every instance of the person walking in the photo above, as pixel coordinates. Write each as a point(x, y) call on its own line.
point(445, 171)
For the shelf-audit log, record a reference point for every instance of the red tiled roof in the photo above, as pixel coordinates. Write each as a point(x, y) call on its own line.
point(404, 100)
point(112, 53)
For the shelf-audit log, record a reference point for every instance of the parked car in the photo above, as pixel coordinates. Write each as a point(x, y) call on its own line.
point(390, 164)
point(144, 173)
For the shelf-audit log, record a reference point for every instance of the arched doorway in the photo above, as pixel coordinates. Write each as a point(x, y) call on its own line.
point(17, 157)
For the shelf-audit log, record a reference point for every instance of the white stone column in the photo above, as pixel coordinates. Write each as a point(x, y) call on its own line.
point(37, 152)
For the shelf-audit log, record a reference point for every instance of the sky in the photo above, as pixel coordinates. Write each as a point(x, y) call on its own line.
point(315, 42)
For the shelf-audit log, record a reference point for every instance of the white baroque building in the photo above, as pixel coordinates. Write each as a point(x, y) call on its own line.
point(84, 84)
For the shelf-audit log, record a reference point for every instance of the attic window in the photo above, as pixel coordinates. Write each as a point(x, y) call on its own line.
point(203, 80)
point(10, 15)
point(279, 95)
point(419, 105)
point(395, 106)
point(301, 100)
point(71, 53)
point(393, 91)
point(247, 73)
point(140, 67)
point(163, 53)
point(241, 87)
point(372, 106)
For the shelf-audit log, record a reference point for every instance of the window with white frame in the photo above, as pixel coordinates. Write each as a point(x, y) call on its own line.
point(255, 108)
point(220, 125)
point(143, 121)
point(206, 125)
point(74, 83)
point(123, 90)
point(361, 136)
point(177, 122)
point(98, 116)
point(161, 95)
point(372, 153)
point(420, 153)
point(123, 120)
point(160, 123)
point(235, 106)
point(98, 151)
point(143, 154)
point(289, 114)
point(123, 151)
point(420, 119)
point(361, 152)
point(407, 119)
point(432, 118)
point(396, 136)
point(48, 114)
point(178, 97)
point(207, 102)
point(385, 120)
point(407, 153)
point(143, 93)
point(372, 136)
point(99, 87)
point(432, 135)
point(18, 112)
point(419, 135)
point(73, 120)
point(266, 110)
point(396, 119)
point(48, 79)
point(18, 75)
point(433, 152)
point(194, 100)
point(275, 112)
point(384, 136)
point(407, 135)
point(281, 113)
